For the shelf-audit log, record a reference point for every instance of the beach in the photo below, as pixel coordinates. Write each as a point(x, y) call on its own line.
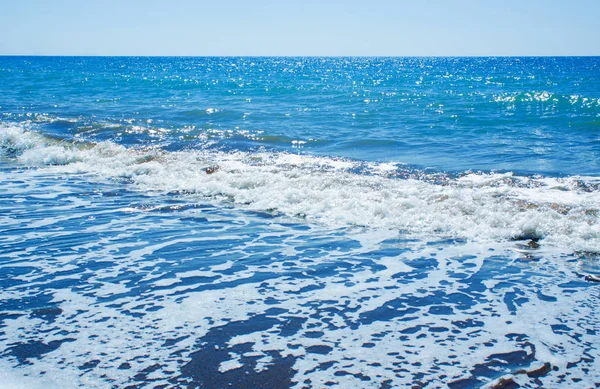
point(299, 222)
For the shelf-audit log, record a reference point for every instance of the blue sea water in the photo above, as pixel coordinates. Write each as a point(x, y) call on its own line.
point(299, 222)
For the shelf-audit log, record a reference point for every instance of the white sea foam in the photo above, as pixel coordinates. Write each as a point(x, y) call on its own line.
point(373, 316)
point(478, 206)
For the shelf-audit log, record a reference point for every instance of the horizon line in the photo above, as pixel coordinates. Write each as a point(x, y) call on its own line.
point(301, 56)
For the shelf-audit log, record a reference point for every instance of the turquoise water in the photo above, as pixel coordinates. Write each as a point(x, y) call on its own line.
point(526, 115)
point(299, 222)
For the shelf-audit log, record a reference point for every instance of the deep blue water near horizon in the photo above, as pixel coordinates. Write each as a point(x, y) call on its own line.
point(529, 115)
point(266, 222)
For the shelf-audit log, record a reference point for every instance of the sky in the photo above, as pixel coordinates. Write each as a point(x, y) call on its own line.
point(300, 27)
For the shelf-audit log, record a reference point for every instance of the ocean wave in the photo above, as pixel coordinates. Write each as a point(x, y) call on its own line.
point(337, 192)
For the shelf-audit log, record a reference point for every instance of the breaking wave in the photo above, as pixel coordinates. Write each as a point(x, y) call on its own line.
point(562, 212)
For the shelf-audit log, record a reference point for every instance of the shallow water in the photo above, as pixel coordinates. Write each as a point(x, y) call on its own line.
point(256, 222)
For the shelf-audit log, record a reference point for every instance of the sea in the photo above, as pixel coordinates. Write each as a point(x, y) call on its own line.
point(282, 222)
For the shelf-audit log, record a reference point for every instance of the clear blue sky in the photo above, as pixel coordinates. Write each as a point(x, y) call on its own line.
point(300, 27)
